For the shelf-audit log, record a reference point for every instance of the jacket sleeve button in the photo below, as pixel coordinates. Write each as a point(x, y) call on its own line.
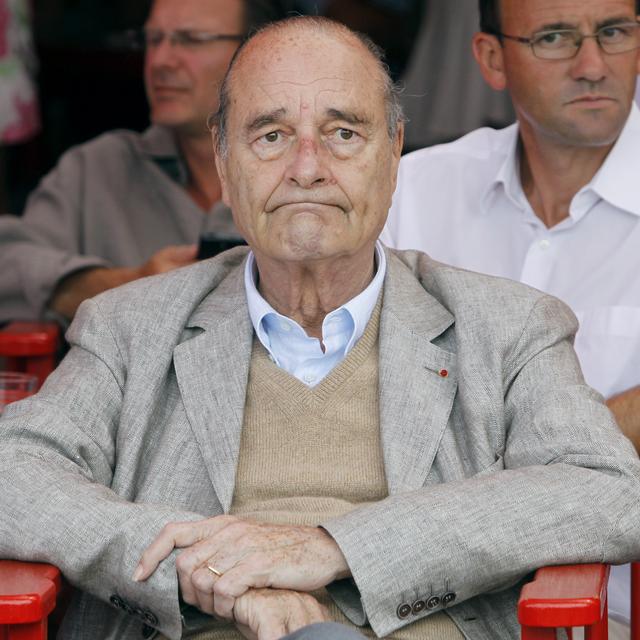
point(433, 602)
point(448, 598)
point(418, 607)
point(403, 610)
point(116, 601)
point(127, 608)
point(150, 618)
point(148, 633)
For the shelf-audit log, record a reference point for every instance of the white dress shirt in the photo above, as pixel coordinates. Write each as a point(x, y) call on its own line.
point(463, 204)
point(287, 342)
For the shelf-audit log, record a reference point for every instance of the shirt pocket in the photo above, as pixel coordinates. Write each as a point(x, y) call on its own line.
point(608, 346)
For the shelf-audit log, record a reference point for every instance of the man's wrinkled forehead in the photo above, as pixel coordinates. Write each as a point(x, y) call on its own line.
point(294, 75)
point(315, 95)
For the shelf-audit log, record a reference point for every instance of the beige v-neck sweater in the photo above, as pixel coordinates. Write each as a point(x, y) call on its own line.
point(309, 454)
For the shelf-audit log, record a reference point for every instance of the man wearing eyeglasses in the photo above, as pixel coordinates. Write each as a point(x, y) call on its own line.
point(127, 205)
point(554, 200)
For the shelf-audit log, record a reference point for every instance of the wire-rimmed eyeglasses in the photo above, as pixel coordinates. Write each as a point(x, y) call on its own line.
point(188, 38)
point(562, 44)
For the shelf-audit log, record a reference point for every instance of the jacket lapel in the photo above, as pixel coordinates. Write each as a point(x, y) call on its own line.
point(212, 369)
point(417, 379)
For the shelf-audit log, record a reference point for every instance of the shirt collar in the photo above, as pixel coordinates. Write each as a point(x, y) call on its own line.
point(614, 182)
point(159, 144)
point(359, 308)
point(507, 179)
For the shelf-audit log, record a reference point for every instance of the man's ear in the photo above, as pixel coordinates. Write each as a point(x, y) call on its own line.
point(399, 140)
point(396, 154)
point(489, 55)
point(221, 169)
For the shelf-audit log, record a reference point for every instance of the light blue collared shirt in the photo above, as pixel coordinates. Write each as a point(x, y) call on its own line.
point(287, 342)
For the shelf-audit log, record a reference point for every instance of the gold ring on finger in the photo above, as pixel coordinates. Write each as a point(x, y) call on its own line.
point(214, 571)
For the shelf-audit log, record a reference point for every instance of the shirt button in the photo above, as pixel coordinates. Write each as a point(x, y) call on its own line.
point(284, 326)
point(308, 379)
point(544, 244)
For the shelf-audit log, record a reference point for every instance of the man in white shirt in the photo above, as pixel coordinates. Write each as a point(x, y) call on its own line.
point(552, 201)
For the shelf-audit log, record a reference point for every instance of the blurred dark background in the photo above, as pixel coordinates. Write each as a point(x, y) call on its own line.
point(86, 84)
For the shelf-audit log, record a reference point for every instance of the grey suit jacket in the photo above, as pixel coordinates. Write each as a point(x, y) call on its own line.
point(507, 463)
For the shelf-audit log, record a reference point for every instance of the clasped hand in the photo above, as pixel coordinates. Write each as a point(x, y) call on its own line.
point(248, 555)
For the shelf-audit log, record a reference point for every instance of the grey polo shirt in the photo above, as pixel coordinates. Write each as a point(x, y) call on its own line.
point(113, 201)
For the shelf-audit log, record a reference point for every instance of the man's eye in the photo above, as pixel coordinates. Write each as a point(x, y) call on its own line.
point(272, 136)
point(345, 134)
point(553, 39)
point(188, 39)
point(613, 34)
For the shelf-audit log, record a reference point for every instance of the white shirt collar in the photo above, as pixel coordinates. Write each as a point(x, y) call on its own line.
point(507, 178)
point(617, 180)
point(359, 308)
point(614, 182)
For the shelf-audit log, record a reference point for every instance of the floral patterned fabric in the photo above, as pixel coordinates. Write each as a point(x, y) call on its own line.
point(19, 115)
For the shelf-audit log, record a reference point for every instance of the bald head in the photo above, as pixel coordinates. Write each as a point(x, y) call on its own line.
point(277, 35)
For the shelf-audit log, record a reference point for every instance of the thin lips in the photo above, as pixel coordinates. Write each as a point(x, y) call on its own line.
point(590, 98)
point(290, 203)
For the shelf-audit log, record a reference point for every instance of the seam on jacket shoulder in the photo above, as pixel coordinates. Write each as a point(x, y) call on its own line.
point(115, 342)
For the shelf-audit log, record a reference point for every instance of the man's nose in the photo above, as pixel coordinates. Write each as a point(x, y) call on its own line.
point(307, 167)
point(163, 54)
point(589, 63)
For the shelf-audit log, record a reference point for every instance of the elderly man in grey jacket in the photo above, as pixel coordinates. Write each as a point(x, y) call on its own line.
point(315, 428)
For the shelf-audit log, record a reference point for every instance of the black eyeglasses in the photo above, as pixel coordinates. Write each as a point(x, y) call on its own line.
point(562, 44)
point(186, 38)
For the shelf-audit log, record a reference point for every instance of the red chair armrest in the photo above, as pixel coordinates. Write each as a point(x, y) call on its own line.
point(28, 591)
point(565, 596)
point(21, 338)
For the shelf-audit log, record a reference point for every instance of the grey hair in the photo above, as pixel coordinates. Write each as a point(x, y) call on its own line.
point(217, 121)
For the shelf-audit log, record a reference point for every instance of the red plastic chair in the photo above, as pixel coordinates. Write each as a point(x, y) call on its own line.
point(29, 592)
point(573, 596)
point(29, 347)
point(566, 596)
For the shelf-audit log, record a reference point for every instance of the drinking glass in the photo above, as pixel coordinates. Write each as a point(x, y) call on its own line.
point(16, 386)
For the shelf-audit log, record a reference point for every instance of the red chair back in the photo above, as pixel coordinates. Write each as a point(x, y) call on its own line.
point(29, 347)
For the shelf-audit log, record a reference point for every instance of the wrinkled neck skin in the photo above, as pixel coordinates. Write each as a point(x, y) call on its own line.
point(307, 291)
